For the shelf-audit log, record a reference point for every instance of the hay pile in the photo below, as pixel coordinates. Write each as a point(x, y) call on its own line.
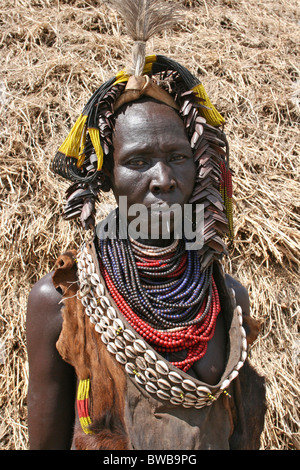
point(54, 53)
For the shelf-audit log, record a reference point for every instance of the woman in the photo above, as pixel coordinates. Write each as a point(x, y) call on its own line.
point(151, 339)
point(153, 163)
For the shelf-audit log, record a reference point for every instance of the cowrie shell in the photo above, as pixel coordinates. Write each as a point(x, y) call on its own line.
point(177, 392)
point(140, 378)
point(111, 347)
point(163, 395)
point(104, 338)
point(203, 391)
point(189, 385)
point(120, 357)
point(92, 320)
point(80, 264)
point(176, 400)
point(84, 289)
point(202, 401)
point(104, 302)
point(91, 268)
point(88, 258)
point(140, 345)
point(120, 342)
point(239, 365)
point(111, 313)
point(88, 310)
point(244, 356)
point(164, 384)
point(198, 406)
point(187, 404)
point(130, 352)
point(93, 303)
point(99, 311)
point(100, 290)
point(118, 324)
point(151, 374)
point(129, 335)
point(95, 279)
point(89, 295)
point(141, 363)
point(175, 377)
point(96, 317)
point(85, 302)
point(189, 397)
point(111, 332)
point(233, 375)
point(130, 368)
point(104, 322)
point(82, 275)
point(99, 328)
point(151, 387)
point(162, 367)
point(225, 384)
point(150, 356)
point(239, 310)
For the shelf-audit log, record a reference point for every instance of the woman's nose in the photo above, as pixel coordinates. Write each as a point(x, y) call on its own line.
point(162, 179)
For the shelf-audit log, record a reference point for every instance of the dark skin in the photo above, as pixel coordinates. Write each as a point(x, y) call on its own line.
point(152, 157)
point(153, 163)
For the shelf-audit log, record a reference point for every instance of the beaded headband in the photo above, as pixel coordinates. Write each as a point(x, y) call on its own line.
point(88, 149)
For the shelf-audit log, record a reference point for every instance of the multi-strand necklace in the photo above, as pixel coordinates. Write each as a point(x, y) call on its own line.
point(163, 295)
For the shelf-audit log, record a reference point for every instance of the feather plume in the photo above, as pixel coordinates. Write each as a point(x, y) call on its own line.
point(143, 19)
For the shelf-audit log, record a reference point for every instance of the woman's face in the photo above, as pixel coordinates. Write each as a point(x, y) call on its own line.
point(153, 160)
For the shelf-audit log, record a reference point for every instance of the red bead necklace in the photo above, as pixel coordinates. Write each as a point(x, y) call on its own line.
point(193, 338)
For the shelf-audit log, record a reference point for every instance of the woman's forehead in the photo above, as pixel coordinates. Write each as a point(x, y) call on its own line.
point(143, 123)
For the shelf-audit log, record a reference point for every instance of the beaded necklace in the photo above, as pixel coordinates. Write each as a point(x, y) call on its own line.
point(163, 295)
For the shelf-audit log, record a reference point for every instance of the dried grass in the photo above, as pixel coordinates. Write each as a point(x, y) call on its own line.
point(53, 54)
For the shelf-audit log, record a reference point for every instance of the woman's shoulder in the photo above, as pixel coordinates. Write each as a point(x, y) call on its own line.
point(44, 293)
point(241, 293)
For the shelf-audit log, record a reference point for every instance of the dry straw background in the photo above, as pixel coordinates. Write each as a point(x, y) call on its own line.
point(54, 53)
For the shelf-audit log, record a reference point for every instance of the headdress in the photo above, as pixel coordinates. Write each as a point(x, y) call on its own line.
point(88, 148)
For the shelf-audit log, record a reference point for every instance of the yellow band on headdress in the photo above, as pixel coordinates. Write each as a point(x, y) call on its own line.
point(73, 145)
point(212, 116)
point(95, 138)
point(74, 142)
point(121, 77)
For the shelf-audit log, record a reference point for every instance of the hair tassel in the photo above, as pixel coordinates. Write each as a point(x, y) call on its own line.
point(226, 193)
point(72, 145)
point(82, 405)
point(95, 138)
point(209, 112)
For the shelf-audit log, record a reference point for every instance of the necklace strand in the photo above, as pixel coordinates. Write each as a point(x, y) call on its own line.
point(174, 311)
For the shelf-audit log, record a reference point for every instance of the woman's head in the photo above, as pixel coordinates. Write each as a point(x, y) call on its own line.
point(153, 160)
point(199, 175)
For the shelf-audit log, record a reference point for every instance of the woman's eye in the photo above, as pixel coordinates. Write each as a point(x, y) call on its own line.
point(178, 157)
point(137, 162)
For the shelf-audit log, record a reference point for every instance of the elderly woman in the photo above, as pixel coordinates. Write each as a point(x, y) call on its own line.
point(143, 330)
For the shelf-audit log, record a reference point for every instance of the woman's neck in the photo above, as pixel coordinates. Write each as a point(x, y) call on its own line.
point(161, 243)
